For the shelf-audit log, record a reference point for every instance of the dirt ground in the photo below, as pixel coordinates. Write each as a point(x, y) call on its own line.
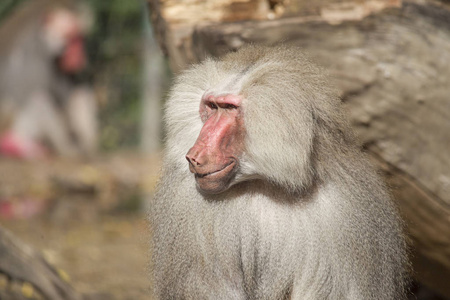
point(107, 255)
point(87, 218)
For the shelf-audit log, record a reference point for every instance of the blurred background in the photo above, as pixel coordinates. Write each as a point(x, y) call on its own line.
point(79, 145)
point(82, 86)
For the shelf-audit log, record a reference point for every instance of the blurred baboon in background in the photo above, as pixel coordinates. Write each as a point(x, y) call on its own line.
point(42, 104)
point(279, 202)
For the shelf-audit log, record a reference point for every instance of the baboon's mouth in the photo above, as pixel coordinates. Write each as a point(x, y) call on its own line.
point(218, 173)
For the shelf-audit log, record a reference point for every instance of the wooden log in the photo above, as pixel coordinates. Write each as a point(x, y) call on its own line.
point(391, 65)
point(175, 20)
point(25, 274)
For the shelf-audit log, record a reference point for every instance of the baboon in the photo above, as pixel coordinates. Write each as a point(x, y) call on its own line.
point(276, 200)
point(43, 104)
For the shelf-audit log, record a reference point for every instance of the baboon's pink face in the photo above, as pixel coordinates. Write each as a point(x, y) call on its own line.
point(64, 35)
point(214, 158)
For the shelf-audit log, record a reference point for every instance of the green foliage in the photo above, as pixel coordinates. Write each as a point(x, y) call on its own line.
point(114, 47)
point(7, 6)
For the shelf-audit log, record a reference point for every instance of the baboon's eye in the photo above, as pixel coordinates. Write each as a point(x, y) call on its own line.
point(212, 105)
point(230, 106)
